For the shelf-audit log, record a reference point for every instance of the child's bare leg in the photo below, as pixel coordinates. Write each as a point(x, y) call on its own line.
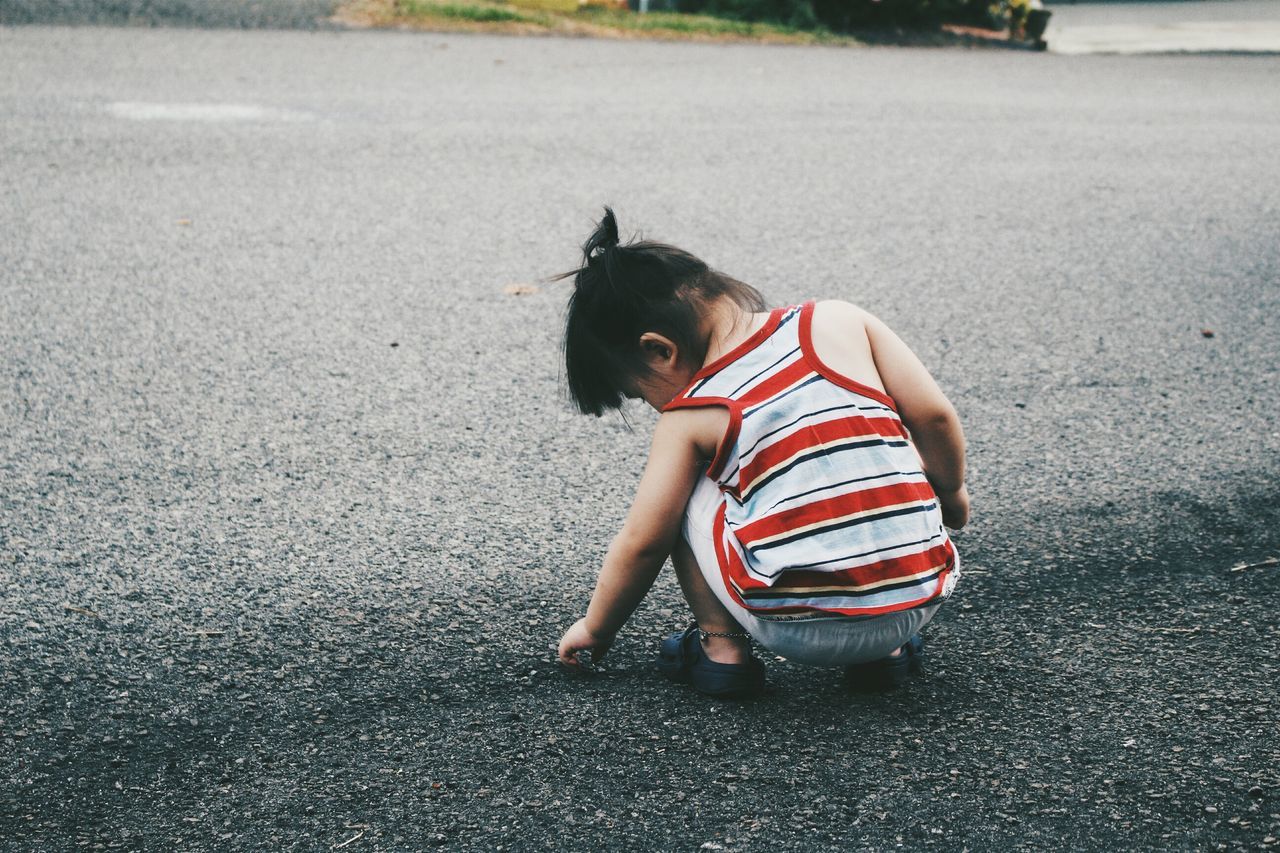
point(710, 614)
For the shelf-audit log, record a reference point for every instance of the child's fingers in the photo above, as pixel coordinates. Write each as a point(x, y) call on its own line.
point(568, 656)
point(569, 652)
point(579, 647)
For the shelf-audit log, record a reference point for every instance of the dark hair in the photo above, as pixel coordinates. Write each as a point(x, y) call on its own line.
point(624, 290)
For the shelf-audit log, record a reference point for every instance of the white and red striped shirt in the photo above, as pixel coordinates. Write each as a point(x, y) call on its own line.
point(826, 510)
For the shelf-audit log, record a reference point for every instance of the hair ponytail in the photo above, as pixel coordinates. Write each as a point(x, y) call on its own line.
point(602, 271)
point(624, 290)
point(603, 238)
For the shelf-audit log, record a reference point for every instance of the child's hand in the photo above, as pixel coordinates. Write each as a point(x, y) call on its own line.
point(955, 507)
point(578, 639)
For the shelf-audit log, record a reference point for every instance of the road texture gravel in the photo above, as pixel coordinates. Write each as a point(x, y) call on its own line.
point(274, 14)
point(293, 509)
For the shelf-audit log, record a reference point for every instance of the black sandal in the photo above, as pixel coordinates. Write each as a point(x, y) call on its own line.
point(887, 673)
point(682, 658)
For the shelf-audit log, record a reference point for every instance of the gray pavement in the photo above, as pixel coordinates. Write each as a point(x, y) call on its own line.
point(292, 508)
point(1165, 26)
point(250, 14)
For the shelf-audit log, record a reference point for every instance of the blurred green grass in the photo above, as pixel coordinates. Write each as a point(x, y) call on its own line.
point(573, 17)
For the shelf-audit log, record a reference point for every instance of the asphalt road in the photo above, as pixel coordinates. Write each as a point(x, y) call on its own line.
point(249, 14)
point(292, 507)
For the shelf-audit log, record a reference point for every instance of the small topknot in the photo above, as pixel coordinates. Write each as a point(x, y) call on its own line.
point(604, 237)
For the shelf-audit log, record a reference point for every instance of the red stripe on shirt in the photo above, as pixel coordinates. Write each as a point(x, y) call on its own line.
point(892, 569)
point(825, 432)
point(774, 385)
point(833, 508)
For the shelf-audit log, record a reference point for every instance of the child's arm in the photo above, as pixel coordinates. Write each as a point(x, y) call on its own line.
point(928, 414)
point(647, 536)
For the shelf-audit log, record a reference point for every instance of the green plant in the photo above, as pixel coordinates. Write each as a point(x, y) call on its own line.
point(465, 12)
point(693, 24)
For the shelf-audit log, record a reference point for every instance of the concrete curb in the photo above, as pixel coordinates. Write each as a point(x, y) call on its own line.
point(1183, 37)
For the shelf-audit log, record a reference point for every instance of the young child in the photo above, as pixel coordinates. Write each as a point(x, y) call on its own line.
point(802, 471)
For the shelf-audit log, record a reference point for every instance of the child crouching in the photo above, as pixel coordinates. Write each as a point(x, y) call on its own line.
point(801, 477)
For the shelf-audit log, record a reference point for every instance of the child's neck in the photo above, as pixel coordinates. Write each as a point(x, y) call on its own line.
point(726, 325)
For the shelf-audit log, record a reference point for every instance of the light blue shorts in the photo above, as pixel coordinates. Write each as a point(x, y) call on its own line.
point(820, 641)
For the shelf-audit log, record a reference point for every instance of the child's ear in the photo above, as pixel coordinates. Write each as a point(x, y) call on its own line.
point(659, 348)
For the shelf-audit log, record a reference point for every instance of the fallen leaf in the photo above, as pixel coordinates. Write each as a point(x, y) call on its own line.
point(355, 837)
point(1208, 333)
point(1263, 564)
point(520, 289)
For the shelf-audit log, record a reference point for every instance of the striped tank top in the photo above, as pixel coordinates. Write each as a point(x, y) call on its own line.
point(825, 509)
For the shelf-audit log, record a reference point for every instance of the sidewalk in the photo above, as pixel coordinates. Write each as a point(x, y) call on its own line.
point(1173, 26)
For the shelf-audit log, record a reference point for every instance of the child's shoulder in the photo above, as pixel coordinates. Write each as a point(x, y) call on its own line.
point(841, 336)
point(701, 426)
point(836, 322)
point(840, 314)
